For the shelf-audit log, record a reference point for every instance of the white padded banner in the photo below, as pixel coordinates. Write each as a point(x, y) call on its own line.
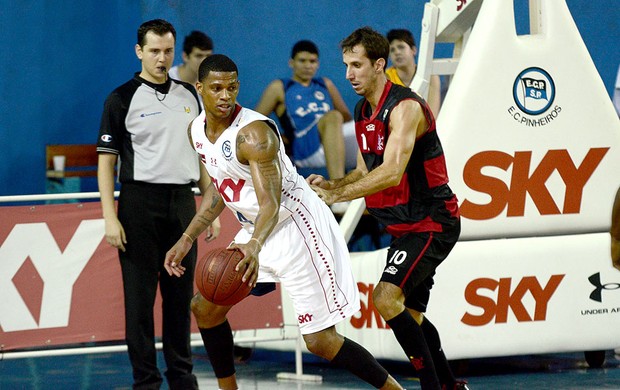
point(531, 137)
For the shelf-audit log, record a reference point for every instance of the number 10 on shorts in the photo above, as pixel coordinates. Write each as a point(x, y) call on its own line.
point(398, 257)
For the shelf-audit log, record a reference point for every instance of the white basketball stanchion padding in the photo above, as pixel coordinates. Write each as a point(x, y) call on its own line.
point(532, 145)
point(530, 134)
point(508, 297)
point(351, 217)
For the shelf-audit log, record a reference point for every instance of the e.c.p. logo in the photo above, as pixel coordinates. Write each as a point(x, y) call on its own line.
point(534, 93)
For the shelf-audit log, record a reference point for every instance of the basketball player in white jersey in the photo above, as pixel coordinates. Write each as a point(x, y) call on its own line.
point(288, 234)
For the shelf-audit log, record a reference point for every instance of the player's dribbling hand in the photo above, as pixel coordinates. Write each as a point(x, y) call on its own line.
point(250, 261)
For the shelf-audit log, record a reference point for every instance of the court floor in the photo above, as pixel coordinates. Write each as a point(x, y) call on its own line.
point(259, 372)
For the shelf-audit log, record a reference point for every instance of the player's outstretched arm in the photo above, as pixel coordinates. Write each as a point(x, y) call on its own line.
point(214, 228)
point(405, 121)
point(351, 177)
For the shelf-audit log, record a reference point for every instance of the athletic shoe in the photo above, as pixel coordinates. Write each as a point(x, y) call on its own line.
point(461, 385)
point(458, 385)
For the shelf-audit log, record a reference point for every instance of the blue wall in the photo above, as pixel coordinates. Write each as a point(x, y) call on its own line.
point(60, 59)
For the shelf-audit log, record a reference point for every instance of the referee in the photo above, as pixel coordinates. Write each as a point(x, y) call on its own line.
point(144, 126)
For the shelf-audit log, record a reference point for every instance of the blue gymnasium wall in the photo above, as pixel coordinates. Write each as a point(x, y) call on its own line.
point(60, 59)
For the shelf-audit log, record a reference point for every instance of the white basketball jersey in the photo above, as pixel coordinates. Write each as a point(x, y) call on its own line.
point(306, 251)
point(233, 179)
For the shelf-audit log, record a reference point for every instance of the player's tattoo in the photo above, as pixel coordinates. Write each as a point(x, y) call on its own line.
point(240, 139)
point(261, 145)
point(203, 220)
point(269, 170)
point(215, 200)
point(209, 216)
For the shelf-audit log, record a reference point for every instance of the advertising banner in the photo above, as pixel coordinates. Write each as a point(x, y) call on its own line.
point(60, 282)
point(507, 297)
point(531, 137)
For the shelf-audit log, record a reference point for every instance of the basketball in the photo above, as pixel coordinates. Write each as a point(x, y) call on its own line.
point(217, 279)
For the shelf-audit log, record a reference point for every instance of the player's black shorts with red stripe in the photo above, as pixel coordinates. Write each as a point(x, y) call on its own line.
point(412, 260)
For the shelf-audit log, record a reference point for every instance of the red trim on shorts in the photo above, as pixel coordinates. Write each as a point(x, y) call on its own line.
point(428, 243)
point(425, 225)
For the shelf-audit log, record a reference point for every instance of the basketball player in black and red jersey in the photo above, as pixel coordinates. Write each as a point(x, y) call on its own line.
point(401, 172)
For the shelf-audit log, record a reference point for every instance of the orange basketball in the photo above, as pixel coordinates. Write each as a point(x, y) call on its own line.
point(217, 279)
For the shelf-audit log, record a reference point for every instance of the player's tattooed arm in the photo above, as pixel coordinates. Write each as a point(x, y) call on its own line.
point(210, 208)
point(209, 215)
point(213, 207)
point(258, 146)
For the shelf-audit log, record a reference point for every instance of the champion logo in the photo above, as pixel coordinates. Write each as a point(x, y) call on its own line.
point(303, 318)
point(391, 270)
point(106, 138)
point(370, 127)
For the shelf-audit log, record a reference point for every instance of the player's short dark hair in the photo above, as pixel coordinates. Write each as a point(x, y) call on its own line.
point(402, 35)
point(304, 45)
point(197, 39)
point(158, 26)
point(375, 44)
point(216, 63)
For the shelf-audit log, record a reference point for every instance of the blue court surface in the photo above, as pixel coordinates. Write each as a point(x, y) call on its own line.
point(259, 372)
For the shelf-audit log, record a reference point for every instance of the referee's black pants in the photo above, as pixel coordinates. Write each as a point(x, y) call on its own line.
point(154, 216)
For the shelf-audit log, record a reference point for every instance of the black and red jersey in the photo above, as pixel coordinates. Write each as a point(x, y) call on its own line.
point(422, 201)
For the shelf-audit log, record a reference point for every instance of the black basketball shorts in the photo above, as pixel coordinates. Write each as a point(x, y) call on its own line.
point(412, 260)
